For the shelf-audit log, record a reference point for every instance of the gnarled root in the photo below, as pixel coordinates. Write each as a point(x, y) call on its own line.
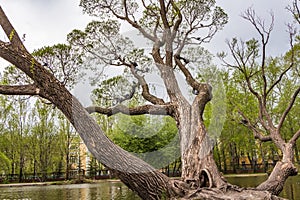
point(183, 190)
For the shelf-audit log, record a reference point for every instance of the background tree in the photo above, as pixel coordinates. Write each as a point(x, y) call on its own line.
point(265, 78)
point(66, 138)
point(44, 129)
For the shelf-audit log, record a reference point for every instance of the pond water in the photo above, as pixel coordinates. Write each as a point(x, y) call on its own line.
point(113, 190)
point(99, 191)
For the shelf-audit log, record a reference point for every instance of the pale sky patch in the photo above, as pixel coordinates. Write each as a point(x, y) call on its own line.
point(46, 23)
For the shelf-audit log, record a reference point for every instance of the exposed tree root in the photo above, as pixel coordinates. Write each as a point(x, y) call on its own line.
point(181, 190)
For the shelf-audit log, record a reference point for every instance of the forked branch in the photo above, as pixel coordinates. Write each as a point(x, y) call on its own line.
point(189, 78)
point(295, 10)
point(264, 33)
point(256, 132)
point(146, 92)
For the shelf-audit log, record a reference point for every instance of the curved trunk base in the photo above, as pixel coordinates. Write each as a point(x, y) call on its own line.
point(275, 182)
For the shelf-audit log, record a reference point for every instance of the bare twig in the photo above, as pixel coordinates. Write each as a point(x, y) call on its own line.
point(294, 9)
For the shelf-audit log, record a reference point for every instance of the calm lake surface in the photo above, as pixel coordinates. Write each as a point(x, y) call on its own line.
point(117, 191)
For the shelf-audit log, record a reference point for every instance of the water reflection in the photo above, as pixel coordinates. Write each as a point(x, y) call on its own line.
point(99, 191)
point(113, 190)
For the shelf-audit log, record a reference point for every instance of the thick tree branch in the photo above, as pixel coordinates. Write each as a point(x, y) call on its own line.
point(9, 30)
point(167, 74)
point(189, 78)
point(19, 89)
point(203, 97)
point(287, 110)
point(178, 21)
point(140, 110)
point(146, 92)
point(168, 37)
point(163, 13)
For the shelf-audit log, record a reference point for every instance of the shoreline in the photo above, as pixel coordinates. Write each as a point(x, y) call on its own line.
point(88, 181)
point(70, 182)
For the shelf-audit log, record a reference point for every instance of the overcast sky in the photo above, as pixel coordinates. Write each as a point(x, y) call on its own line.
point(48, 22)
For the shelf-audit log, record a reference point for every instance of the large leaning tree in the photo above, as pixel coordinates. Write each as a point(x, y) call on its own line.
point(171, 26)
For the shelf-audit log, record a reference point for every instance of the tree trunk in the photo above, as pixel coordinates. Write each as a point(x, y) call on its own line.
point(224, 160)
point(282, 170)
point(67, 165)
point(21, 167)
point(135, 173)
point(200, 168)
point(142, 178)
point(198, 165)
